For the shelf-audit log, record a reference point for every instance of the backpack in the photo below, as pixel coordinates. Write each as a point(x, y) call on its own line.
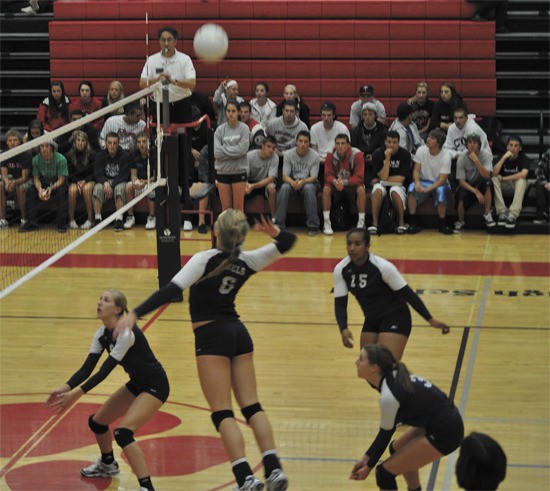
point(387, 219)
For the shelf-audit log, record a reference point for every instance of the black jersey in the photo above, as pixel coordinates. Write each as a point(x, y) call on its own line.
point(374, 285)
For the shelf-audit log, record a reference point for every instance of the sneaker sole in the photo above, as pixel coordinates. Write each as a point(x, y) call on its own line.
point(100, 474)
point(278, 486)
point(510, 226)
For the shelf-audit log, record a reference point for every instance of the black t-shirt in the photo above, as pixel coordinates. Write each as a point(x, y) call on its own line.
point(511, 167)
point(17, 164)
point(400, 163)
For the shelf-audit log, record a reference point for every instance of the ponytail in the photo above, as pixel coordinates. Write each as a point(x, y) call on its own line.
point(380, 355)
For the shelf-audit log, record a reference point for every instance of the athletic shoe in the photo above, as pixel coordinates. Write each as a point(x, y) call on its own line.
point(187, 226)
point(327, 229)
point(130, 222)
point(459, 227)
point(401, 229)
point(373, 229)
point(312, 231)
point(86, 225)
point(151, 223)
point(4, 223)
point(446, 230)
point(502, 219)
point(73, 225)
point(251, 483)
point(99, 469)
point(277, 481)
point(540, 218)
point(97, 221)
point(489, 222)
point(360, 224)
point(201, 229)
point(413, 229)
point(511, 222)
point(62, 229)
point(28, 227)
point(118, 225)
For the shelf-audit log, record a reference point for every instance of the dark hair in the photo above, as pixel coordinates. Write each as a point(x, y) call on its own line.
point(89, 84)
point(460, 109)
point(245, 104)
point(360, 230)
point(341, 136)
point(290, 103)
point(481, 463)
point(264, 84)
point(473, 137)
point(329, 106)
point(112, 134)
point(80, 112)
point(35, 123)
point(131, 107)
point(270, 139)
point(514, 138)
point(380, 355)
point(404, 110)
point(439, 136)
point(232, 102)
point(456, 99)
point(303, 133)
point(393, 134)
point(61, 107)
point(169, 29)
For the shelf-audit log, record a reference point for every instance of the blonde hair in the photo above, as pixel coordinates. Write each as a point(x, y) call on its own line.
point(118, 85)
point(293, 88)
point(120, 300)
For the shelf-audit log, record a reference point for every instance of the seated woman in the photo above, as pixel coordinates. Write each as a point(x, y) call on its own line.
point(115, 94)
point(53, 111)
point(263, 108)
point(227, 91)
point(423, 108)
point(444, 108)
point(80, 161)
point(291, 94)
point(35, 129)
point(87, 102)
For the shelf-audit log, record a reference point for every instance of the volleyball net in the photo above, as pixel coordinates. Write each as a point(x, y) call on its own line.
point(24, 255)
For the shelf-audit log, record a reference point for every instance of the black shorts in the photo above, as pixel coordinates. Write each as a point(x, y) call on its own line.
point(159, 389)
point(469, 198)
point(397, 321)
point(231, 178)
point(256, 192)
point(225, 337)
point(446, 432)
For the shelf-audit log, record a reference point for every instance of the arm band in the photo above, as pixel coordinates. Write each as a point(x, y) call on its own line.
point(284, 241)
point(107, 367)
point(85, 370)
point(341, 312)
point(378, 446)
point(157, 299)
point(406, 293)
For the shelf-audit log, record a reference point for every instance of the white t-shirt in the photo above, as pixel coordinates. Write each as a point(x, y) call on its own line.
point(431, 166)
point(325, 139)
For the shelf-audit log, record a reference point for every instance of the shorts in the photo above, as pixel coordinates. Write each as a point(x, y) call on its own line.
point(118, 191)
point(231, 178)
point(139, 192)
point(441, 194)
point(397, 321)
point(160, 389)
point(469, 198)
point(223, 337)
point(399, 189)
point(447, 432)
point(349, 193)
point(25, 185)
point(260, 192)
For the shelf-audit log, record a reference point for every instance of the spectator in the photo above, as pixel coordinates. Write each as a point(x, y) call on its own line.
point(392, 166)
point(257, 133)
point(87, 103)
point(231, 142)
point(432, 166)
point(35, 130)
point(15, 178)
point(344, 177)
point(227, 91)
point(481, 463)
point(366, 94)
point(409, 138)
point(324, 132)
point(114, 94)
point(510, 178)
point(126, 126)
point(302, 110)
point(80, 161)
point(49, 170)
point(285, 128)
point(200, 189)
point(455, 143)
point(300, 176)
point(443, 111)
point(263, 108)
point(54, 109)
point(542, 188)
point(140, 177)
point(178, 69)
point(65, 141)
point(368, 137)
point(263, 167)
point(423, 108)
point(111, 172)
point(473, 172)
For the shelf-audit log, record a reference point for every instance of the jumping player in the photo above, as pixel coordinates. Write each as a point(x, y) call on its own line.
point(137, 401)
point(382, 293)
point(223, 346)
point(409, 399)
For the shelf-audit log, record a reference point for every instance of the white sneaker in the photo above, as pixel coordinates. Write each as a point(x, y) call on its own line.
point(459, 227)
point(151, 223)
point(277, 481)
point(361, 224)
point(251, 483)
point(99, 469)
point(4, 223)
point(130, 222)
point(23, 221)
point(73, 225)
point(187, 226)
point(489, 221)
point(86, 225)
point(327, 229)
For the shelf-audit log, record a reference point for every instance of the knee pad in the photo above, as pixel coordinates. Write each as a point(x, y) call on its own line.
point(124, 437)
point(251, 410)
point(391, 448)
point(384, 479)
point(219, 416)
point(96, 427)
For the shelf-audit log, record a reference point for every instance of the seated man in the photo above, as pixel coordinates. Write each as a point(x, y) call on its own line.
point(392, 166)
point(455, 143)
point(112, 172)
point(366, 94)
point(510, 177)
point(432, 166)
point(49, 171)
point(263, 167)
point(324, 132)
point(257, 133)
point(285, 128)
point(15, 178)
point(141, 158)
point(542, 188)
point(300, 175)
point(409, 138)
point(344, 177)
point(126, 126)
point(473, 172)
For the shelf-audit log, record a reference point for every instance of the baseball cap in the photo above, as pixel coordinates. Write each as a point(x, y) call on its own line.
point(366, 88)
point(403, 110)
point(369, 106)
point(328, 106)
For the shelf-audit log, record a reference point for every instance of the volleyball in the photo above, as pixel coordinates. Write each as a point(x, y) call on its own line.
point(210, 43)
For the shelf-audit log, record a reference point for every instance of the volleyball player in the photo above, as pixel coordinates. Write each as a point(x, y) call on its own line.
point(223, 346)
point(409, 399)
point(136, 402)
point(382, 293)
